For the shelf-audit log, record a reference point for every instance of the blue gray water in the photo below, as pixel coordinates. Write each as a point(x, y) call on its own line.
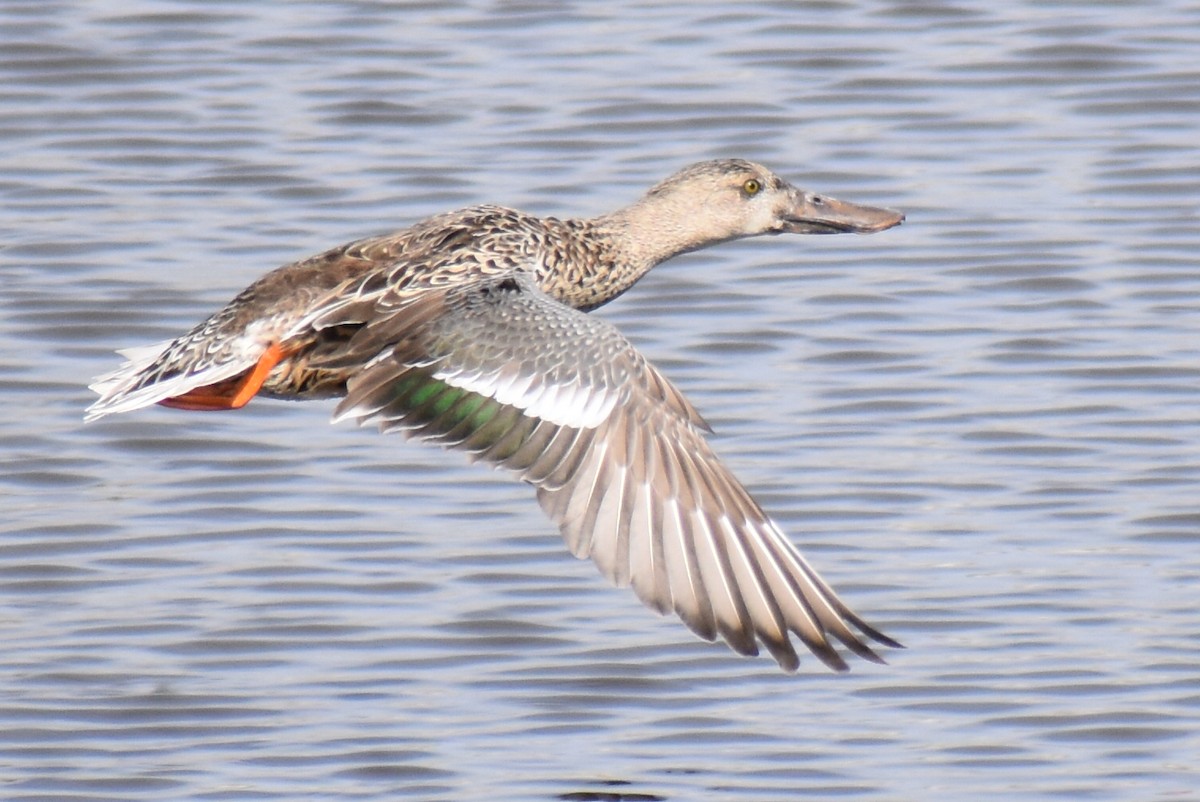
point(982, 426)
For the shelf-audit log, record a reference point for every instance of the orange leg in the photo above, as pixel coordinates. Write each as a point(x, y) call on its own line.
point(232, 393)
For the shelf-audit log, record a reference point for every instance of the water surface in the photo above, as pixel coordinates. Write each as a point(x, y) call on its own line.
point(982, 426)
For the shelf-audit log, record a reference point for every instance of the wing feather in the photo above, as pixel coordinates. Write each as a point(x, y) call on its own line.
point(616, 454)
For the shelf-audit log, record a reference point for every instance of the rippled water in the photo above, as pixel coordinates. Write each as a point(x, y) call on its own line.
point(982, 426)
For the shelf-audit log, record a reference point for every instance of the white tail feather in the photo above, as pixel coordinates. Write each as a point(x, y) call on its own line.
point(119, 391)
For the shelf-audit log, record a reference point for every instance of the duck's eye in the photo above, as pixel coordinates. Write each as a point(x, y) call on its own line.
point(751, 187)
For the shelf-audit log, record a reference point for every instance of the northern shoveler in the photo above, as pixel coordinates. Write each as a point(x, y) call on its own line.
point(468, 329)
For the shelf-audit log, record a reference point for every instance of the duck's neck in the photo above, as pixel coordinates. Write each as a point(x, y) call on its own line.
point(601, 257)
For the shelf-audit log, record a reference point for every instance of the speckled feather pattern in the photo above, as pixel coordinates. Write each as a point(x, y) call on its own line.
point(469, 330)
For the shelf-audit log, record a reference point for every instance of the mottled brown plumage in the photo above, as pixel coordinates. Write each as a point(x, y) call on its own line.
point(467, 329)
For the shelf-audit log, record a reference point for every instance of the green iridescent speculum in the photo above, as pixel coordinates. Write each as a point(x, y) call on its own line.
point(416, 390)
point(445, 409)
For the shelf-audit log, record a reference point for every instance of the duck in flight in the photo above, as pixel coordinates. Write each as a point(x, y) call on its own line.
point(469, 330)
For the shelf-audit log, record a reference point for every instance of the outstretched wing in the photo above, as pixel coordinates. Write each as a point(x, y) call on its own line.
point(502, 371)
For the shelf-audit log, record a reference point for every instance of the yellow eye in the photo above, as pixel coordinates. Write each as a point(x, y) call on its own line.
point(751, 187)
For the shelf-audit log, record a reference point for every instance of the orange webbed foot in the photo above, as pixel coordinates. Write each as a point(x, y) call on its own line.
point(232, 393)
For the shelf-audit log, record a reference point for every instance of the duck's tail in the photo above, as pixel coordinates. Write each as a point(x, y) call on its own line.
point(164, 374)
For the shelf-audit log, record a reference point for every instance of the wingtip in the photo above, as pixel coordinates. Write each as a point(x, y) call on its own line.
point(829, 656)
point(873, 633)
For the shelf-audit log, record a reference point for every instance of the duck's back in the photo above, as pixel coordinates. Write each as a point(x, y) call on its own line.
point(274, 318)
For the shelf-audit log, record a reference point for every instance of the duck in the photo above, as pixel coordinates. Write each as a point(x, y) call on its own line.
point(470, 329)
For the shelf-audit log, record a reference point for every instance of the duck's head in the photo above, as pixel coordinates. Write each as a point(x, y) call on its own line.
point(727, 199)
point(701, 205)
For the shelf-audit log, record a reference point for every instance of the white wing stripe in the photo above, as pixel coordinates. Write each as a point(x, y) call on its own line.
point(567, 404)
